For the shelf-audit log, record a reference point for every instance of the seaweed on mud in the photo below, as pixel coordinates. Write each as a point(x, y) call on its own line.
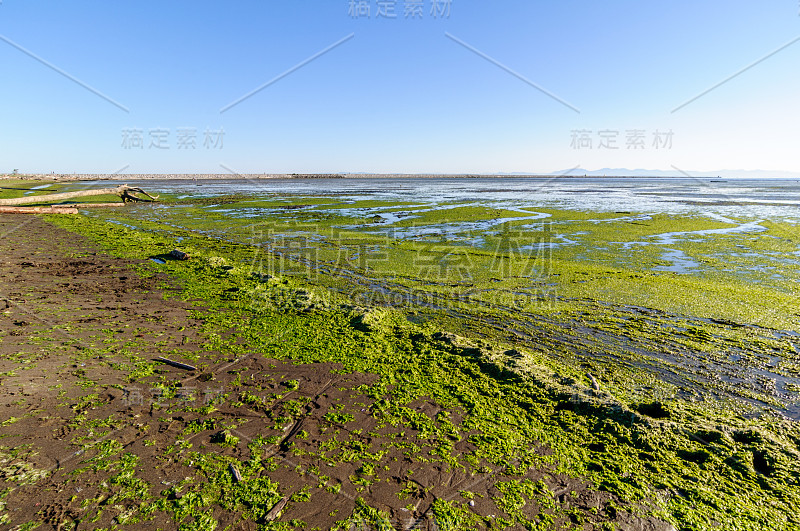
point(514, 392)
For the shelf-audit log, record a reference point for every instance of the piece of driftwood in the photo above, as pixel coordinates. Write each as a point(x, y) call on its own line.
point(177, 364)
point(237, 477)
point(282, 445)
point(99, 205)
point(125, 192)
point(276, 509)
point(38, 210)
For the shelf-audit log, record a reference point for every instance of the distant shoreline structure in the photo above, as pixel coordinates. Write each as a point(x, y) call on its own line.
point(572, 173)
point(284, 176)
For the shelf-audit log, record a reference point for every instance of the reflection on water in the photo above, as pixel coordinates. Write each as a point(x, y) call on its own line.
point(680, 262)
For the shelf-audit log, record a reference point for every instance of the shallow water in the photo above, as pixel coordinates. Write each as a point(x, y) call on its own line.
point(670, 238)
point(770, 198)
point(745, 204)
point(680, 262)
point(40, 187)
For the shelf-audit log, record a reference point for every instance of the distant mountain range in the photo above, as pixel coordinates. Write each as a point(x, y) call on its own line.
point(721, 174)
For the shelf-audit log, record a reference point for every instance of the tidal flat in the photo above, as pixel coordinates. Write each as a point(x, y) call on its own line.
point(479, 364)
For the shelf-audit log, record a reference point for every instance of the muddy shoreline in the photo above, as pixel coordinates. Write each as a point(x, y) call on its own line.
point(95, 433)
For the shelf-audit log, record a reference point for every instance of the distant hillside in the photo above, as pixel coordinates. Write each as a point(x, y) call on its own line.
point(723, 174)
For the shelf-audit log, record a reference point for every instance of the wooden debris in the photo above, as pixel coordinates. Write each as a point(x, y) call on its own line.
point(283, 445)
point(177, 364)
point(237, 477)
point(100, 205)
point(287, 440)
point(125, 192)
point(276, 509)
point(38, 210)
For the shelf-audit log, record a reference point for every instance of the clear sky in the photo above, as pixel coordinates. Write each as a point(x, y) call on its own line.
point(507, 86)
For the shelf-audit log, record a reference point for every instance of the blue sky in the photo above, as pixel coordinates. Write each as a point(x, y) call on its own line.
point(398, 95)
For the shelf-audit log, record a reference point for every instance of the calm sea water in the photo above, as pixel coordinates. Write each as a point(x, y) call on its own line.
point(761, 198)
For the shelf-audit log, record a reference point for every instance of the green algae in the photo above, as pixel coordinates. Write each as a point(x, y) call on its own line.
point(595, 266)
point(656, 454)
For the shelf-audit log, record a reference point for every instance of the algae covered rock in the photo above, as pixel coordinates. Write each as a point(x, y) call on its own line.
point(217, 261)
point(225, 438)
point(655, 410)
point(286, 296)
point(368, 321)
